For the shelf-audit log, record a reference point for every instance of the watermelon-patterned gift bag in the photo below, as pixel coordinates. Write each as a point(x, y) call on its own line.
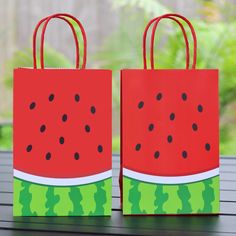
point(169, 146)
point(62, 137)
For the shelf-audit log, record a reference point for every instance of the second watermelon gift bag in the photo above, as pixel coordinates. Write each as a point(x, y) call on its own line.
point(62, 137)
point(170, 144)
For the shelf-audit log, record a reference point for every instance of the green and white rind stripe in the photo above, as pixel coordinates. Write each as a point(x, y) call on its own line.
point(62, 181)
point(200, 197)
point(170, 179)
point(32, 199)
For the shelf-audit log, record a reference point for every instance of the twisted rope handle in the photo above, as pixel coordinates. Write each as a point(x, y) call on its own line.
point(172, 17)
point(63, 17)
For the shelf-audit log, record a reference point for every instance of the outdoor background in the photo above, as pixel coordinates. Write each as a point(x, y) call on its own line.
point(114, 31)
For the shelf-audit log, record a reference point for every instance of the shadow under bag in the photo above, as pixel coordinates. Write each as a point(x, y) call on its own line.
point(170, 136)
point(62, 137)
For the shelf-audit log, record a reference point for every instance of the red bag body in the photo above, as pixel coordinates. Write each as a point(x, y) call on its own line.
point(68, 115)
point(62, 142)
point(170, 141)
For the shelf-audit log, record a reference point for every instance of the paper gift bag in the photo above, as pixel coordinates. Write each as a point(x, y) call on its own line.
point(62, 137)
point(170, 144)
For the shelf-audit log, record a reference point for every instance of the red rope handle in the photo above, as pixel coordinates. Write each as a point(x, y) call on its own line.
point(82, 31)
point(153, 41)
point(43, 34)
point(35, 37)
point(157, 19)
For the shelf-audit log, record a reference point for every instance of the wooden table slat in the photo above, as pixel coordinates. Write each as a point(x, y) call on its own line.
point(224, 224)
point(128, 224)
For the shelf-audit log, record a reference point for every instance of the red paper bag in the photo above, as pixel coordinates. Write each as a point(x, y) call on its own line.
point(170, 143)
point(62, 137)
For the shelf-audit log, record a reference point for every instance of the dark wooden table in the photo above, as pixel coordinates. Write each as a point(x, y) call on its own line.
point(225, 224)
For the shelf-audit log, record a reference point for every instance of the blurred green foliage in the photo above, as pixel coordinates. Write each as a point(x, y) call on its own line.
point(6, 138)
point(216, 49)
point(123, 49)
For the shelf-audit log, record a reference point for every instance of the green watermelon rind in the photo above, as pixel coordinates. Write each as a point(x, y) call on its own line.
point(32, 199)
point(140, 198)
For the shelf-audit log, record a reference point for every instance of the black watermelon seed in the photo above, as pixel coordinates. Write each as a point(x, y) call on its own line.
point(184, 154)
point(76, 156)
point(207, 146)
point(61, 140)
point(194, 127)
point(151, 127)
point(42, 128)
point(138, 147)
point(77, 97)
point(87, 128)
point(29, 148)
point(200, 108)
point(51, 97)
point(64, 118)
point(184, 96)
point(156, 154)
point(141, 104)
point(159, 96)
point(48, 156)
point(169, 138)
point(32, 105)
point(93, 109)
point(100, 148)
point(172, 116)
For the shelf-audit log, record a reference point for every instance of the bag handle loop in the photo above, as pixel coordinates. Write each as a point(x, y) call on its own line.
point(172, 17)
point(35, 37)
point(43, 34)
point(63, 17)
